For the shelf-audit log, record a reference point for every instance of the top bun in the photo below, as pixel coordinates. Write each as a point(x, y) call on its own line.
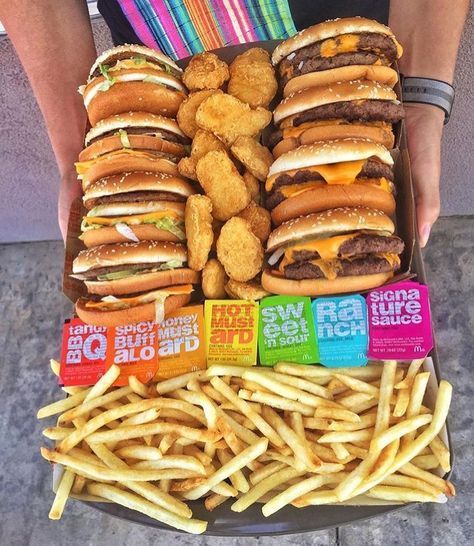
point(330, 223)
point(133, 119)
point(144, 252)
point(331, 151)
point(338, 92)
point(329, 29)
point(127, 51)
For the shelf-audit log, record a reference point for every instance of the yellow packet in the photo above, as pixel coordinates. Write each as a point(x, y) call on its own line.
point(231, 332)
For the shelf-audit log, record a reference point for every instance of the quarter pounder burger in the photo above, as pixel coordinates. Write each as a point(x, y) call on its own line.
point(353, 109)
point(340, 250)
point(132, 78)
point(325, 175)
point(337, 50)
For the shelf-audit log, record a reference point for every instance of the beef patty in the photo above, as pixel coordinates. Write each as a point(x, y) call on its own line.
point(365, 265)
point(371, 48)
point(96, 272)
point(135, 197)
point(163, 133)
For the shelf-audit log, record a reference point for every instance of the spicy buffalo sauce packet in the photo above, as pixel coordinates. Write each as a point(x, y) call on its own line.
point(231, 332)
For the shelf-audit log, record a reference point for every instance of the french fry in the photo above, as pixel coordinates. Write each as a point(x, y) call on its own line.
point(402, 494)
point(104, 383)
point(316, 498)
point(409, 469)
point(414, 404)
point(78, 485)
point(265, 471)
point(86, 407)
point(303, 385)
point(134, 502)
point(62, 405)
point(145, 453)
point(276, 401)
point(179, 382)
point(340, 450)
point(213, 501)
point(366, 421)
point(199, 399)
point(385, 393)
point(357, 385)
point(366, 372)
point(172, 461)
point(411, 373)
point(237, 479)
point(441, 452)
point(264, 486)
point(57, 433)
point(403, 398)
point(397, 431)
point(62, 494)
point(412, 483)
point(237, 463)
point(338, 414)
point(385, 459)
point(137, 386)
point(351, 436)
point(259, 422)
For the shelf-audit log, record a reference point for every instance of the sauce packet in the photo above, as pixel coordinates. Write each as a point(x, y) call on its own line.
point(341, 330)
point(286, 331)
point(231, 332)
point(400, 321)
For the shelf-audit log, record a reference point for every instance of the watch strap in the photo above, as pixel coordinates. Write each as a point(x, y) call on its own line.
point(429, 91)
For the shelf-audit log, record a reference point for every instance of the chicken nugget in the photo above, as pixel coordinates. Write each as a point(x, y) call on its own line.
point(228, 117)
point(255, 157)
point(203, 143)
point(253, 185)
point(199, 234)
point(213, 280)
point(223, 184)
point(252, 78)
point(186, 116)
point(239, 250)
point(259, 220)
point(205, 71)
point(251, 290)
point(216, 228)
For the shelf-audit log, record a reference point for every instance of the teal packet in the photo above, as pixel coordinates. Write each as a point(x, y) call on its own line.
point(286, 331)
point(341, 330)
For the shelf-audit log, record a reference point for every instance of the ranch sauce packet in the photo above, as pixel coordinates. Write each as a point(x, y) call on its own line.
point(231, 332)
point(286, 331)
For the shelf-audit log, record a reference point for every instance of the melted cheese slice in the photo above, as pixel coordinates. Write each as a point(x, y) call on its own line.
point(337, 173)
point(327, 249)
point(111, 303)
point(341, 44)
point(292, 190)
point(131, 220)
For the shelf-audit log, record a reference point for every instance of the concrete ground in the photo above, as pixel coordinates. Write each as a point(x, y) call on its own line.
point(32, 311)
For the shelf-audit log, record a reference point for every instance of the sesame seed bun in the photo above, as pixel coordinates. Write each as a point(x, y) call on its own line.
point(376, 73)
point(329, 223)
point(330, 29)
point(313, 97)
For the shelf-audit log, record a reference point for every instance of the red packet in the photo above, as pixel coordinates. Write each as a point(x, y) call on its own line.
point(134, 349)
point(83, 353)
point(399, 322)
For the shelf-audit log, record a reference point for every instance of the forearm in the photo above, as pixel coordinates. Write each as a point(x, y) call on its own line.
point(55, 45)
point(429, 31)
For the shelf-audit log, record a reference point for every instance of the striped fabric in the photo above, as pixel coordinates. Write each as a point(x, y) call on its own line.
point(181, 28)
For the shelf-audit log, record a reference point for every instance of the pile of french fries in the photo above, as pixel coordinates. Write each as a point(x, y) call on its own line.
point(292, 435)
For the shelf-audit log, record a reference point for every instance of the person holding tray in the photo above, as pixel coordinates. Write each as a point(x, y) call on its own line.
point(55, 44)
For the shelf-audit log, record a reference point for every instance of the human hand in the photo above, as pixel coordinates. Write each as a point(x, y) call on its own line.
point(424, 126)
point(69, 189)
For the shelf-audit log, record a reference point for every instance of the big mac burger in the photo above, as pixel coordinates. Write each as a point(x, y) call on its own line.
point(133, 141)
point(340, 250)
point(338, 50)
point(135, 206)
point(132, 78)
point(348, 109)
point(130, 282)
point(325, 175)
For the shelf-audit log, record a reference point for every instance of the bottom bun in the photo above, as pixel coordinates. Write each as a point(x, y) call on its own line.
point(144, 232)
point(333, 196)
point(144, 282)
point(321, 287)
point(131, 315)
point(322, 133)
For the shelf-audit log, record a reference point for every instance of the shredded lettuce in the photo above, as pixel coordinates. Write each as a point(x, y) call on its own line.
point(123, 138)
point(139, 60)
point(122, 274)
point(109, 80)
point(171, 225)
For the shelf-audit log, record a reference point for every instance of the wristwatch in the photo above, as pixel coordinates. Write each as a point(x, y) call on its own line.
point(429, 91)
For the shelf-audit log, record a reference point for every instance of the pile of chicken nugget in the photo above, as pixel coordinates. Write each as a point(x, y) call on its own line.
point(224, 115)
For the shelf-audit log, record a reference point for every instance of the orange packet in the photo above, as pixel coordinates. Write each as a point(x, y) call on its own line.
point(231, 332)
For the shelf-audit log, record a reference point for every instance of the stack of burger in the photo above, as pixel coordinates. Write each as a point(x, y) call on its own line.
point(330, 190)
point(135, 264)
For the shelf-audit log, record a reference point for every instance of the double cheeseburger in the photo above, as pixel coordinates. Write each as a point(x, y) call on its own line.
point(341, 250)
point(134, 141)
point(135, 206)
point(352, 109)
point(326, 175)
point(337, 50)
point(150, 279)
point(132, 78)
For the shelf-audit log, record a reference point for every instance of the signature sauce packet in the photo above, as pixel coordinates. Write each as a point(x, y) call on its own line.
point(400, 321)
point(181, 347)
point(286, 331)
point(341, 330)
point(231, 332)
point(89, 351)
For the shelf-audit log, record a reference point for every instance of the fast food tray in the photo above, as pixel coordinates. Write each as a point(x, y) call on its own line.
point(290, 520)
